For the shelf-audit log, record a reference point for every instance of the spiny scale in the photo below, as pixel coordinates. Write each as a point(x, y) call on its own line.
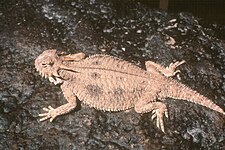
point(111, 63)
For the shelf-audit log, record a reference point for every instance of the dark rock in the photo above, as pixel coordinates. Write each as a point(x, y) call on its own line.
point(4, 123)
point(10, 103)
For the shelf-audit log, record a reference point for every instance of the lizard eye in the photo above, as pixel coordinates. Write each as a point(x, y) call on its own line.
point(44, 65)
point(47, 64)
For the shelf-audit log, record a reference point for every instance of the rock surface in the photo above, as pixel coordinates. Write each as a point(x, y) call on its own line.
point(130, 31)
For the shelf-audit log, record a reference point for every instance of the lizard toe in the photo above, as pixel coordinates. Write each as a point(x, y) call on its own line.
point(158, 114)
point(50, 114)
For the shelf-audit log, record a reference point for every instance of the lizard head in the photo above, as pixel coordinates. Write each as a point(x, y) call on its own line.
point(48, 64)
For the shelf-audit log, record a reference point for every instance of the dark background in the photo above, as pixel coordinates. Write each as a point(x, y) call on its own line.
point(211, 10)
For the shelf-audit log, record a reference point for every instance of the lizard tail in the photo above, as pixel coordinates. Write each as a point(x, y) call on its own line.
point(179, 91)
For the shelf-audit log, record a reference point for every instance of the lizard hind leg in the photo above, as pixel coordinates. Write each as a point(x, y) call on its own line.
point(166, 71)
point(158, 110)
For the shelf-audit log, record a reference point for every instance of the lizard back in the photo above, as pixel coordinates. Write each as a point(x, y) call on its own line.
point(108, 83)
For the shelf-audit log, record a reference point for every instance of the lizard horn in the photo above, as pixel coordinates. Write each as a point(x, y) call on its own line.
point(62, 66)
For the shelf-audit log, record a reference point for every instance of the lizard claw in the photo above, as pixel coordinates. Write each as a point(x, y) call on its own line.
point(50, 114)
point(154, 115)
point(176, 64)
point(166, 114)
point(171, 69)
point(158, 115)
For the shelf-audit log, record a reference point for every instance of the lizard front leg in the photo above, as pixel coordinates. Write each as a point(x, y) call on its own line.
point(158, 109)
point(168, 71)
point(52, 113)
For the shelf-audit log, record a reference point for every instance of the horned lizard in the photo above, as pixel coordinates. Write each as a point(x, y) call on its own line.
point(111, 84)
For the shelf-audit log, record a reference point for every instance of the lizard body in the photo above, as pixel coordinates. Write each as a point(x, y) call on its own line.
point(112, 84)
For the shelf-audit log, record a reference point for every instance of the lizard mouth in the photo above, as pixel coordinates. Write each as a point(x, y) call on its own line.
point(43, 74)
point(51, 77)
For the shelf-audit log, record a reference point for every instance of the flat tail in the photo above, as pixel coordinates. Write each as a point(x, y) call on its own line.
point(179, 91)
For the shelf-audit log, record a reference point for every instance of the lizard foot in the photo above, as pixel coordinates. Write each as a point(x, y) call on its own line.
point(50, 114)
point(171, 69)
point(158, 115)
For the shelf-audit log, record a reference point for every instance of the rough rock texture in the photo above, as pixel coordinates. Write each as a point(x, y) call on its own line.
point(134, 33)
